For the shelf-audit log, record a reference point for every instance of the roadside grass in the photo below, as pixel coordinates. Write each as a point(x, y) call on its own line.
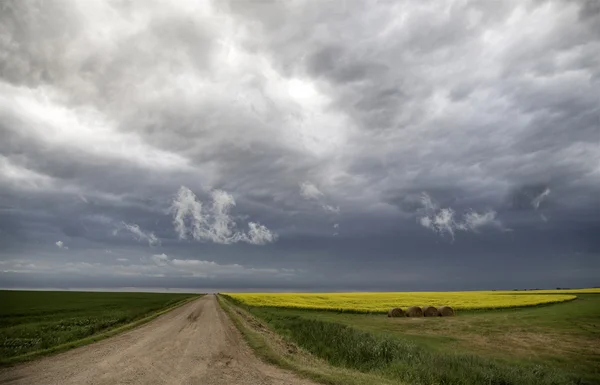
point(555, 344)
point(273, 349)
point(36, 323)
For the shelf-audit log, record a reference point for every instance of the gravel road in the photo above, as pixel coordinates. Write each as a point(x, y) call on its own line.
point(193, 344)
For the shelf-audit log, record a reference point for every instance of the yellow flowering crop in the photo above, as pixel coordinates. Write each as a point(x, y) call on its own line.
point(382, 302)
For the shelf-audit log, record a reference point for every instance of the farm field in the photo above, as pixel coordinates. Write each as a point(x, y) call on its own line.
point(382, 302)
point(553, 344)
point(33, 321)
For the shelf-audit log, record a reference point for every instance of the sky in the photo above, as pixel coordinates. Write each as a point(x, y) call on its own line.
point(300, 145)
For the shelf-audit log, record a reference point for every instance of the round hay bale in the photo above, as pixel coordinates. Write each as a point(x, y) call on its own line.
point(430, 311)
point(396, 312)
point(446, 311)
point(414, 311)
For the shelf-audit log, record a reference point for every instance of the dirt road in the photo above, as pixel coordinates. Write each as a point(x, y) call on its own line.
point(193, 344)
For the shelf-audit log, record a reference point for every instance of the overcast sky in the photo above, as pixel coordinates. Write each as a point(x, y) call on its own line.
point(293, 145)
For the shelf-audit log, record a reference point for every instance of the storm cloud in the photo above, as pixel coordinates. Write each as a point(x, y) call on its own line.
point(291, 145)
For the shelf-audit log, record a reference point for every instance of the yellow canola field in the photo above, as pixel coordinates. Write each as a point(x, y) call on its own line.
point(382, 302)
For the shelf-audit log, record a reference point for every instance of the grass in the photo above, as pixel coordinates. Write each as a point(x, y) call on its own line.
point(555, 344)
point(273, 349)
point(34, 323)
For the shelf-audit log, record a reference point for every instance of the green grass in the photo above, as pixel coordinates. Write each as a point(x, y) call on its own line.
point(41, 322)
point(555, 344)
point(271, 348)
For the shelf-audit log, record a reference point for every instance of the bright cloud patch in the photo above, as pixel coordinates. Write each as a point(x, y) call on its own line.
point(444, 221)
point(310, 191)
point(61, 245)
point(213, 222)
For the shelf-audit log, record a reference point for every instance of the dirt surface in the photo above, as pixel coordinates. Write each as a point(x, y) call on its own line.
point(193, 344)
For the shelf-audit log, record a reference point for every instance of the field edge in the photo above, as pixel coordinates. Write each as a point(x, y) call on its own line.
point(270, 347)
point(572, 297)
point(94, 338)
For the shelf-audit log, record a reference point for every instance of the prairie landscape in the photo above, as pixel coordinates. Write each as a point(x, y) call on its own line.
point(493, 337)
point(524, 337)
point(351, 192)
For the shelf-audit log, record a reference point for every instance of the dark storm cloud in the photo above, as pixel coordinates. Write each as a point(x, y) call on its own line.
point(490, 109)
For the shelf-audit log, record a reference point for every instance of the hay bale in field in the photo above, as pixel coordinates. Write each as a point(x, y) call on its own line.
point(430, 311)
point(446, 311)
point(396, 312)
point(414, 311)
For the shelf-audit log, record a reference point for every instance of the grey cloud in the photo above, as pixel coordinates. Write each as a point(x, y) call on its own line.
point(484, 105)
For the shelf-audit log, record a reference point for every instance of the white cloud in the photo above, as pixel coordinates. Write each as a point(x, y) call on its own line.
point(310, 191)
point(443, 221)
point(331, 209)
point(473, 220)
point(61, 245)
point(535, 202)
point(85, 129)
point(259, 234)
point(160, 259)
point(213, 223)
point(336, 226)
point(138, 233)
point(158, 265)
point(426, 222)
point(22, 178)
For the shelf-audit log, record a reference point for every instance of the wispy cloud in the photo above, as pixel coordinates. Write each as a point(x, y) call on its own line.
point(213, 223)
point(473, 220)
point(444, 221)
point(311, 192)
point(138, 233)
point(535, 202)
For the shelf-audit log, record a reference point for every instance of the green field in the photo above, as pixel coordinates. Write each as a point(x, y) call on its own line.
point(38, 321)
point(553, 344)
